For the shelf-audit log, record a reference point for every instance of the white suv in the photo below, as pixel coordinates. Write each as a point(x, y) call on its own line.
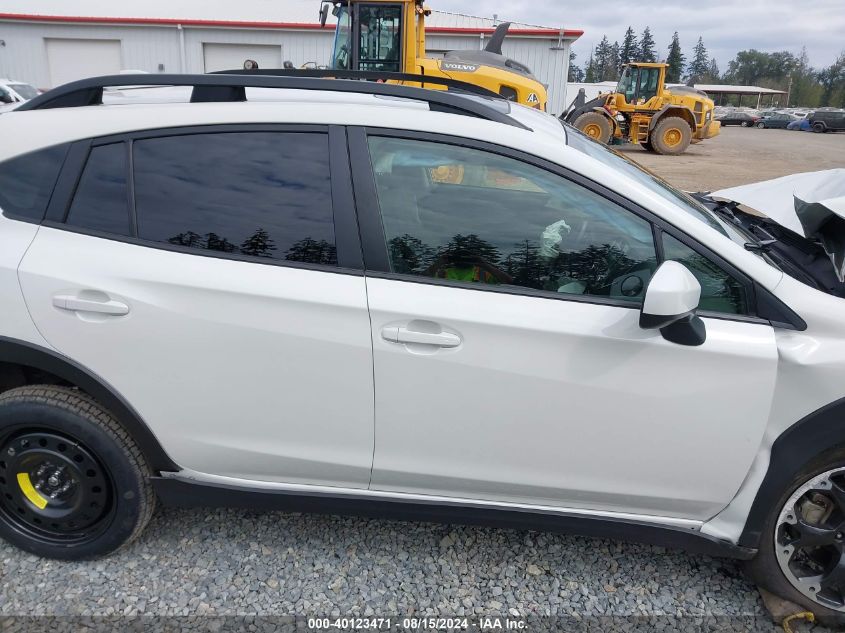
point(374, 298)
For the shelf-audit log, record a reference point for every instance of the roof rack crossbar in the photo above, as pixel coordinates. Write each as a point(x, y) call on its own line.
point(229, 87)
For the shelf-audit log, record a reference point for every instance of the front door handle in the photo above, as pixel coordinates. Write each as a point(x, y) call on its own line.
point(78, 304)
point(399, 334)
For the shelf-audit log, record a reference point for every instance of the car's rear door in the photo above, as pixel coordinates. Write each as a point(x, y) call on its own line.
point(509, 362)
point(213, 277)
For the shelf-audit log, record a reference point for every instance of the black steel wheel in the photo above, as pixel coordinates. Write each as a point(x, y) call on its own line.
point(73, 484)
point(52, 487)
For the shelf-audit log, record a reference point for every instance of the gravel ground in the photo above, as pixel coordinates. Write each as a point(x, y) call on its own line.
point(228, 562)
point(739, 156)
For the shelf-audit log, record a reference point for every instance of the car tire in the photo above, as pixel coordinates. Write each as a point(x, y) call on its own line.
point(760, 125)
point(671, 136)
point(595, 125)
point(745, 124)
point(73, 483)
point(818, 127)
point(780, 552)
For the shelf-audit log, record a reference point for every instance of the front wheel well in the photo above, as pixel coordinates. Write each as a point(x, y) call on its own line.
point(682, 113)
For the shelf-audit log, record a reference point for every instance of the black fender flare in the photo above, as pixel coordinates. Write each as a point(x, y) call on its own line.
point(796, 447)
point(30, 355)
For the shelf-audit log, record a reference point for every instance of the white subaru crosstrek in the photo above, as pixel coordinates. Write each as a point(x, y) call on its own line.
point(373, 298)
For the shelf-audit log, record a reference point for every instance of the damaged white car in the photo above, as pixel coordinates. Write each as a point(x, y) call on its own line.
point(373, 298)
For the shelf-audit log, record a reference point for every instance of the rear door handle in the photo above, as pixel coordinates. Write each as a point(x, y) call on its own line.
point(398, 334)
point(77, 304)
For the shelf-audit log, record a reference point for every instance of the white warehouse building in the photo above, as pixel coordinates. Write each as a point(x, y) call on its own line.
point(50, 42)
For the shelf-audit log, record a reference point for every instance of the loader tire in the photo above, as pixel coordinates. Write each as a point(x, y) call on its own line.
point(595, 125)
point(671, 136)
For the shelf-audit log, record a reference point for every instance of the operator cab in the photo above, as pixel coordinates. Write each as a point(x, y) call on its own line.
point(639, 84)
point(368, 37)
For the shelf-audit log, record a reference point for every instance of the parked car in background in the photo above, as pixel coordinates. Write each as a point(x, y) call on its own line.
point(802, 125)
point(738, 118)
point(777, 120)
point(13, 93)
point(827, 121)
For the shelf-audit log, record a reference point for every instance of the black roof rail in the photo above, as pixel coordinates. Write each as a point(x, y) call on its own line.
point(230, 87)
point(454, 85)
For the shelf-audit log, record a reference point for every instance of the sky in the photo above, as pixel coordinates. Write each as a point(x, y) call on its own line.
point(727, 26)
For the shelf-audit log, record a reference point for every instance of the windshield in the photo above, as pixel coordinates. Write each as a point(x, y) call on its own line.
point(617, 162)
point(24, 90)
point(626, 85)
point(342, 40)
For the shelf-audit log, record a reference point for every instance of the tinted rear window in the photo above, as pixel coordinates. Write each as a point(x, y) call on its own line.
point(257, 194)
point(26, 182)
point(101, 202)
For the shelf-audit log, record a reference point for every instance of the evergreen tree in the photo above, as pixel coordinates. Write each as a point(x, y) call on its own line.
point(575, 72)
point(630, 47)
point(646, 52)
point(616, 57)
point(713, 75)
point(604, 60)
point(590, 74)
point(699, 67)
point(675, 59)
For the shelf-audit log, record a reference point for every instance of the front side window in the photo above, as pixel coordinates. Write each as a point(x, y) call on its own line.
point(720, 292)
point(474, 217)
point(256, 194)
point(26, 182)
point(380, 42)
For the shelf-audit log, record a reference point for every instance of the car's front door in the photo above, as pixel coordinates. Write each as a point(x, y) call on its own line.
point(509, 362)
point(206, 274)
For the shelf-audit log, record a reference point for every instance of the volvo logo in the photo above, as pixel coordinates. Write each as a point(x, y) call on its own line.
point(459, 67)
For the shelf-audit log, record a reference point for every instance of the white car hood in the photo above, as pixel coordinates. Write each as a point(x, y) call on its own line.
point(810, 204)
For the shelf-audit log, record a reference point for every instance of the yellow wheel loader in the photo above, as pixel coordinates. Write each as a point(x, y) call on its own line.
point(389, 36)
point(644, 111)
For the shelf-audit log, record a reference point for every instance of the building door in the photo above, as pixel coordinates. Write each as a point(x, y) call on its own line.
point(70, 60)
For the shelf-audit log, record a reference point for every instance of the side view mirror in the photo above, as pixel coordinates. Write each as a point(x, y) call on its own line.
point(324, 14)
point(6, 98)
point(671, 300)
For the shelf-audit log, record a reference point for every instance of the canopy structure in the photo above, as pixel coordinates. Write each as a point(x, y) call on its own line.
point(751, 96)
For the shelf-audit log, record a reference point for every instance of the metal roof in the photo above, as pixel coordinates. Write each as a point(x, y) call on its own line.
point(293, 14)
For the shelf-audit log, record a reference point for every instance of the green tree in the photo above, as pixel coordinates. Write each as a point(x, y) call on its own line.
point(646, 52)
point(605, 69)
point(616, 59)
point(699, 67)
point(591, 71)
point(675, 59)
point(832, 80)
point(575, 72)
point(630, 47)
point(753, 67)
point(713, 76)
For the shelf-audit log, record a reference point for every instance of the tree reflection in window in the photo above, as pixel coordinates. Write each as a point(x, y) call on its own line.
point(260, 244)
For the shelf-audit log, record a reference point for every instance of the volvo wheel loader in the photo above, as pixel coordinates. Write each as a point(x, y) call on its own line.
point(644, 111)
point(389, 36)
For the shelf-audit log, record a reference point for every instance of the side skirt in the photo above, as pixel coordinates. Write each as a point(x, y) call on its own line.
point(179, 492)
